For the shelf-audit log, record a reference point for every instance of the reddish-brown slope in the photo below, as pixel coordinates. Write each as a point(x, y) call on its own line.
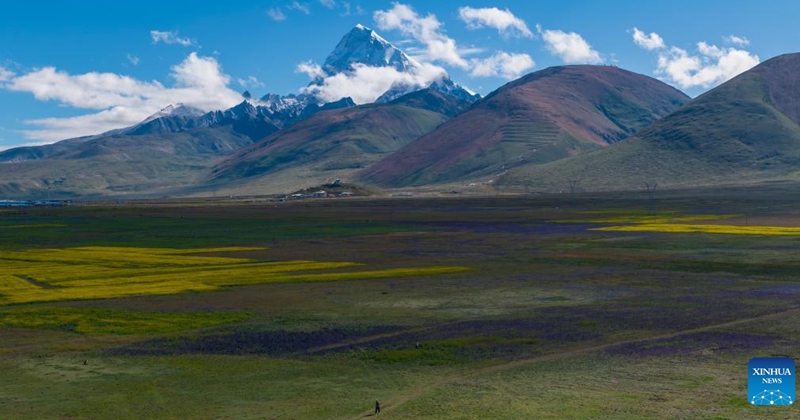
point(743, 132)
point(542, 117)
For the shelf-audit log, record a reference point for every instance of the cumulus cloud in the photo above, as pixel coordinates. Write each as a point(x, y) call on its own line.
point(313, 70)
point(330, 4)
point(427, 30)
point(708, 67)
point(653, 41)
point(88, 91)
point(276, 14)
point(502, 20)
point(134, 60)
point(365, 83)
point(121, 100)
point(503, 64)
point(170, 37)
point(569, 46)
point(296, 5)
point(736, 40)
point(55, 129)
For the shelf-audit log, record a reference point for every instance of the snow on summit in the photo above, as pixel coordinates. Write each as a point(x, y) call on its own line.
point(367, 68)
point(364, 46)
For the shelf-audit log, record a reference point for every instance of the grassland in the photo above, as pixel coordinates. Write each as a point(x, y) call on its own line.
point(316, 309)
point(108, 321)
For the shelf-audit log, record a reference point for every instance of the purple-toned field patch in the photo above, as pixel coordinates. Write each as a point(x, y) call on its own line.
point(689, 344)
point(781, 289)
point(489, 339)
point(273, 343)
point(537, 228)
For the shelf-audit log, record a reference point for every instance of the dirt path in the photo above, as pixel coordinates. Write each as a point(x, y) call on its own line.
point(368, 339)
point(420, 390)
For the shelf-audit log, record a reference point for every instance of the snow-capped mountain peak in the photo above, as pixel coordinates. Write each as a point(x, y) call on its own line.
point(175, 110)
point(364, 46)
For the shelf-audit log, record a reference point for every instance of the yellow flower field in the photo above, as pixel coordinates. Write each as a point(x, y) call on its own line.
point(110, 272)
point(643, 217)
point(719, 229)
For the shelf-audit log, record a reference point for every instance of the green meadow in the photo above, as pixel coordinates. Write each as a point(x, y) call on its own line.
point(594, 306)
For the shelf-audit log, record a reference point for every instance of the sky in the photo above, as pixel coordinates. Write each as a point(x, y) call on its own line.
point(69, 69)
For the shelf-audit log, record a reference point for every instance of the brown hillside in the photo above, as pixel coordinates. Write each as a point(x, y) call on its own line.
point(545, 116)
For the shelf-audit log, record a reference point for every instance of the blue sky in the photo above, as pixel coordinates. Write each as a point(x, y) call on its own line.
point(76, 68)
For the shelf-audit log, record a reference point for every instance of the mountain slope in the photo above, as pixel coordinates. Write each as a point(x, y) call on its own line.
point(169, 151)
point(542, 117)
point(744, 131)
point(122, 164)
point(435, 101)
point(26, 153)
point(243, 119)
point(333, 144)
point(170, 119)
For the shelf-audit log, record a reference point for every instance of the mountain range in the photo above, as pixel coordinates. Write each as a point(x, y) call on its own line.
point(601, 126)
point(544, 116)
point(745, 131)
point(338, 143)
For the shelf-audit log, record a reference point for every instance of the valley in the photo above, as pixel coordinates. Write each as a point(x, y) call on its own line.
point(544, 305)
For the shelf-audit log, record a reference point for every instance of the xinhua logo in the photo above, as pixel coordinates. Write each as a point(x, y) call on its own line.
point(770, 381)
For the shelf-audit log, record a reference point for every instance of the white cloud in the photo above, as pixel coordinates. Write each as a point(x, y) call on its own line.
point(249, 82)
point(653, 41)
point(5, 74)
point(296, 5)
point(276, 14)
point(736, 40)
point(88, 91)
point(427, 30)
point(502, 20)
point(346, 8)
point(55, 129)
point(313, 70)
point(134, 60)
point(121, 100)
point(503, 64)
point(710, 67)
point(170, 37)
point(365, 84)
point(569, 46)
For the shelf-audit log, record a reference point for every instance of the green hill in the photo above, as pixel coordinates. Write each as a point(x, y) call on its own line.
point(542, 117)
point(333, 144)
point(150, 165)
point(745, 131)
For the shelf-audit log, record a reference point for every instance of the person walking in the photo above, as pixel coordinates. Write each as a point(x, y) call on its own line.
point(377, 407)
